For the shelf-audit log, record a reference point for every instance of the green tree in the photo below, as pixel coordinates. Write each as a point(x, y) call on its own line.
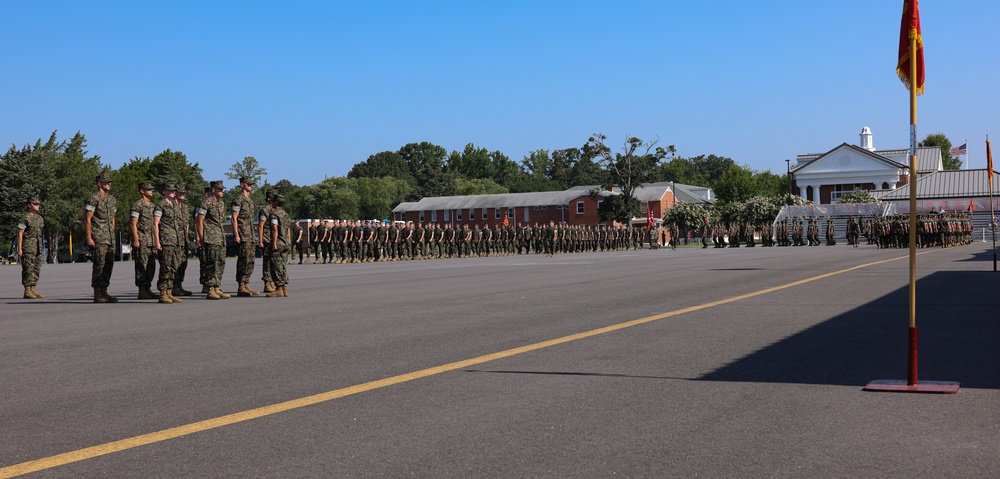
point(380, 165)
point(942, 141)
point(858, 196)
point(709, 169)
point(172, 166)
point(478, 186)
point(631, 168)
point(736, 185)
point(615, 207)
point(537, 163)
point(426, 163)
point(770, 184)
point(378, 196)
point(332, 198)
point(471, 163)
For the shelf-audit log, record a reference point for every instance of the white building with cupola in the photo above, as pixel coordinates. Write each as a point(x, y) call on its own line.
point(824, 178)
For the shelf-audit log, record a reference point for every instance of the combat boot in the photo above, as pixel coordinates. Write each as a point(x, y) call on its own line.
point(243, 291)
point(111, 299)
point(252, 291)
point(284, 291)
point(98, 297)
point(274, 294)
point(212, 294)
point(221, 294)
point(165, 297)
point(28, 294)
point(36, 293)
point(144, 293)
point(170, 294)
point(268, 287)
point(180, 291)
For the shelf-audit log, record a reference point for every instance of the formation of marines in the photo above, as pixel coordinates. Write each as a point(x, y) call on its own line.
point(356, 241)
point(933, 230)
point(159, 234)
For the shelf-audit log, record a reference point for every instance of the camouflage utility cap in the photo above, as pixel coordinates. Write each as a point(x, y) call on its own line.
point(145, 185)
point(218, 185)
point(247, 181)
point(104, 177)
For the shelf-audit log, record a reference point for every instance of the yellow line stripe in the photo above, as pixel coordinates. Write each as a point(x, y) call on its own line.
point(195, 427)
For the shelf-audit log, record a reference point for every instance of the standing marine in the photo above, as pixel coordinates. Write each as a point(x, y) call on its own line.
point(29, 248)
point(99, 229)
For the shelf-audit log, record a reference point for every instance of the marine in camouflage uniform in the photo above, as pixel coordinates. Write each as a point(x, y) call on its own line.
point(143, 247)
point(183, 230)
point(167, 238)
point(278, 249)
point(99, 224)
point(263, 238)
point(298, 246)
point(212, 239)
point(29, 248)
point(242, 212)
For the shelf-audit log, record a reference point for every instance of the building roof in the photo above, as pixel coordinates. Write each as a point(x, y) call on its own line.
point(928, 158)
point(804, 161)
point(946, 184)
point(507, 200)
point(647, 192)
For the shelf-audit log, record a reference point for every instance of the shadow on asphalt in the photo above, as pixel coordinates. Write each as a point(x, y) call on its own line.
point(958, 321)
point(570, 373)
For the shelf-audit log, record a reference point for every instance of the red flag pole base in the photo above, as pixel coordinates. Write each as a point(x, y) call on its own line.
point(911, 385)
point(901, 386)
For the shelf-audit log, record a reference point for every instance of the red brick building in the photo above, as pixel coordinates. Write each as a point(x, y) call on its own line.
point(577, 205)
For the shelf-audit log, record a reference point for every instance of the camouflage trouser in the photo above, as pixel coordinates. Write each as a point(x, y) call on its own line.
point(244, 261)
point(215, 264)
point(145, 265)
point(31, 266)
point(182, 266)
point(279, 262)
point(170, 260)
point(202, 268)
point(104, 264)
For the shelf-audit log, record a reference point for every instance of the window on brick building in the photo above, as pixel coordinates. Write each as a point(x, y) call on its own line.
point(496, 213)
point(579, 208)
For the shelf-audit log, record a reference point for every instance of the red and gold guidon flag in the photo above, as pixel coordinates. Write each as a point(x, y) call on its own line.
point(989, 164)
point(910, 25)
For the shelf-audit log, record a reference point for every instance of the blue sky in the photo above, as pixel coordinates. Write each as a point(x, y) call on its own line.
point(311, 88)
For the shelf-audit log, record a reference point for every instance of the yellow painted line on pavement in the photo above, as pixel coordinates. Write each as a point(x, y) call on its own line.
point(200, 426)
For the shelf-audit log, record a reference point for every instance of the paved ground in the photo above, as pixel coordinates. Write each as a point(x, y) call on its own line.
point(765, 385)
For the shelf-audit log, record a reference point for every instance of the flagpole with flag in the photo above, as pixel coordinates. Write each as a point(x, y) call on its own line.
point(989, 181)
point(910, 69)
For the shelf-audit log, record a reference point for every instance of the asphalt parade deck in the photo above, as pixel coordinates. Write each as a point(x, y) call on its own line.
point(744, 362)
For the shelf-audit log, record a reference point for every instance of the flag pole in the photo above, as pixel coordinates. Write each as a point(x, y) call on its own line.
point(989, 180)
point(911, 25)
point(911, 376)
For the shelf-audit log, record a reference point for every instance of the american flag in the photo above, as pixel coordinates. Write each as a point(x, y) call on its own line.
point(962, 150)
